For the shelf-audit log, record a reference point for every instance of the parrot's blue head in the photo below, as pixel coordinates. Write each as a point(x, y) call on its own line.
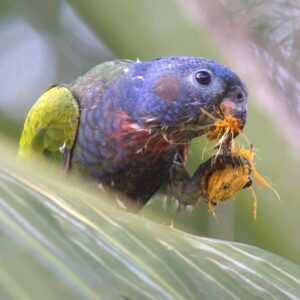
point(174, 91)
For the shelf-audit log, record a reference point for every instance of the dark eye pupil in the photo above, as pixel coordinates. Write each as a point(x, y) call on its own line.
point(203, 77)
point(239, 96)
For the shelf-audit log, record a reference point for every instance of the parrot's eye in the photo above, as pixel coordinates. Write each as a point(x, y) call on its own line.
point(203, 77)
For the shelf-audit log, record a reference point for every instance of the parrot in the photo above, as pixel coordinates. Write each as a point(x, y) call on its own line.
point(128, 124)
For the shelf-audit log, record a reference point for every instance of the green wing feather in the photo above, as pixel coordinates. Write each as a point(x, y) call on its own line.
point(51, 125)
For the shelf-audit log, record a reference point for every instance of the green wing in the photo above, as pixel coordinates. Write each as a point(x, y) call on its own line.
point(50, 127)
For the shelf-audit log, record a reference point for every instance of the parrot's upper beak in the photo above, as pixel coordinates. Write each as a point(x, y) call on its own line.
point(231, 108)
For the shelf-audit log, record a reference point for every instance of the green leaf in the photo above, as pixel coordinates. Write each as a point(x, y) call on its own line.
point(62, 242)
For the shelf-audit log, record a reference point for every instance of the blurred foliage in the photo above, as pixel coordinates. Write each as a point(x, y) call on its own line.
point(43, 42)
point(146, 29)
point(63, 242)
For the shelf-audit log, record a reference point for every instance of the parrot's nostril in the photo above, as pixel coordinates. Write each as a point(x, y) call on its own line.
point(239, 96)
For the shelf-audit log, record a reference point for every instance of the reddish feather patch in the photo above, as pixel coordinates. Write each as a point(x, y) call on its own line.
point(127, 131)
point(131, 136)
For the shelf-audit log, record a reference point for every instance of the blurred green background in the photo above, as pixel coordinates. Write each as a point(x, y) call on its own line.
point(45, 42)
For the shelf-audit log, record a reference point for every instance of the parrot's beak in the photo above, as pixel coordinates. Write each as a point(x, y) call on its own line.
point(237, 110)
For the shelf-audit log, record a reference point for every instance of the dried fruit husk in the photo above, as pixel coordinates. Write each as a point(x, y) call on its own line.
point(222, 184)
point(229, 126)
point(224, 180)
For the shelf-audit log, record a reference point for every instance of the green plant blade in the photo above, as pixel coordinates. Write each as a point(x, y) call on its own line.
point(61, 242)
